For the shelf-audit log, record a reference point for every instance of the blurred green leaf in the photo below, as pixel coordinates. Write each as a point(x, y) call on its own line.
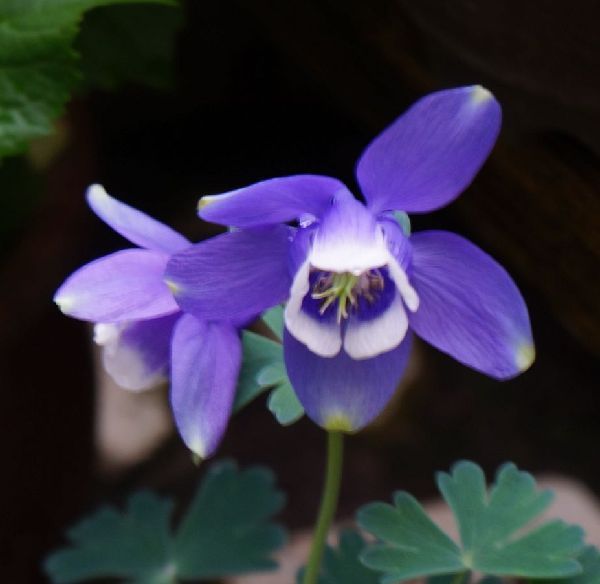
point(490, 526)
point(274, 320)
point(21, 188)
point(590, 562)
point(450, 578)
point(259, 353)
point(342, 566)
point(129, 44)
point(284, 404)
point(226, 530)
point(38, 66)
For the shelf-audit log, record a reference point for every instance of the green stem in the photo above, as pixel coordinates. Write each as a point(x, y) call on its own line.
point(329, 500)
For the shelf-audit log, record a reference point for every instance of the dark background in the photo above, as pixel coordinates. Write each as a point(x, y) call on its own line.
point(264, 89)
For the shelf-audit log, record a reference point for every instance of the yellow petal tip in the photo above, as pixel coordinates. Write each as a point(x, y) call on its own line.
point(525, 356)
point(205, 201)
point(338, 422)
point(173, 287)
point(480, 94)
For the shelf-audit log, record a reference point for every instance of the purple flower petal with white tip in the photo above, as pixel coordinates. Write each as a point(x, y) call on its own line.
point(470, 307)
point(431, 153)
point(271, 201)
point(341, 393)
point(134, 225)
point(124, 286)
point(205, 363)
point(233, 276)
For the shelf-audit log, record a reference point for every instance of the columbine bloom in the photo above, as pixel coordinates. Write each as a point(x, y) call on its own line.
point(355, 283)
point(144, 334)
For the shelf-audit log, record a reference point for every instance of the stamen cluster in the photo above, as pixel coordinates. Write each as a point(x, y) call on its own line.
point(345, 287)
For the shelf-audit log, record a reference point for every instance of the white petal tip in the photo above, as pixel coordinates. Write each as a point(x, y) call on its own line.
point(525, 356)
point(97, 194)
point(198, 451)
point(65, 304)
point(480, 94)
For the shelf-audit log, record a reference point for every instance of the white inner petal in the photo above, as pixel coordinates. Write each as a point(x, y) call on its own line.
point(322, 337)
point(107, 334)
point(346, 253)
point(398, 275)
point(127, 367)
point(366, 339)
point(124, 363)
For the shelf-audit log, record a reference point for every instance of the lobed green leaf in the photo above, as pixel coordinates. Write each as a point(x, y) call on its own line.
point(491, 524)
point(227, 530)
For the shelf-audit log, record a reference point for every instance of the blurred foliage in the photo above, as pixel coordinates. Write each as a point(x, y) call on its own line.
point(490, 525)
point(129, 44)
point(39, 68)
point(590, 562)
point(341, 565)
point(226, 530)
point(20, 189)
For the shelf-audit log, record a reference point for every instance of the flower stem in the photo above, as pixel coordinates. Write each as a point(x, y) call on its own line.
point(329, 500)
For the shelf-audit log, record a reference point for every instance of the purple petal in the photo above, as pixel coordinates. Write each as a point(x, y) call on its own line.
point(271, 201)
point(134, 225)
point(205, 362)
point(126, 285)
point(470, 308)
point(233, 276)
point(341, 393)
point(431, 153)
point(136, 355)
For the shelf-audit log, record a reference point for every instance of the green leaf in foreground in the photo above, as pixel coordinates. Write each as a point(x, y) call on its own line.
point(38, 66)
point(590, 562)
point(490, 525)
point(226, 530)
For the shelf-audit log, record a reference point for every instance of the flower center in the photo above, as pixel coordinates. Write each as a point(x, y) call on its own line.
point(348, 290)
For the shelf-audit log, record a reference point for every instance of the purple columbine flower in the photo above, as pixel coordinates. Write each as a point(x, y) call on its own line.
point(145, 336)
point(355, 283)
